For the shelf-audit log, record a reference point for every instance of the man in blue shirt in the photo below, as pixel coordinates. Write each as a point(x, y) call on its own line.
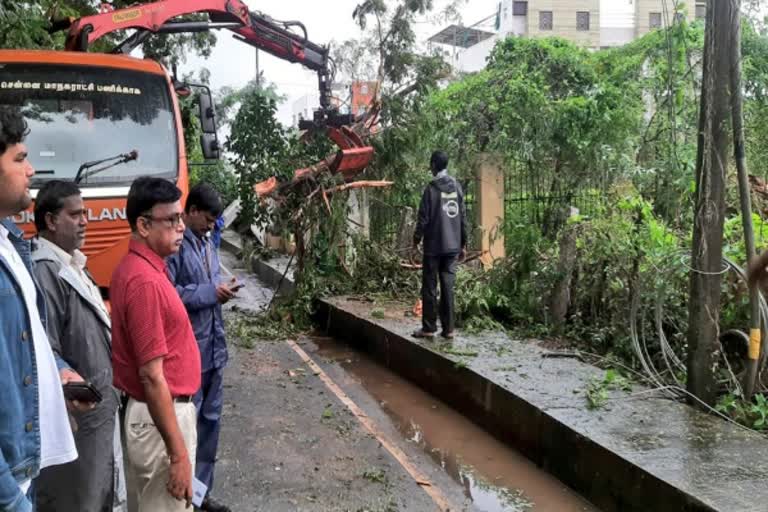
point(194, 270)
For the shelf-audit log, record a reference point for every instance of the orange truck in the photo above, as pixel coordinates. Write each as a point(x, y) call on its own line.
point(80, 107)
point(103, 120)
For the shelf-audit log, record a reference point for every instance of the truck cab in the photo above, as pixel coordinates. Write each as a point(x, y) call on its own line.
point(83, 107)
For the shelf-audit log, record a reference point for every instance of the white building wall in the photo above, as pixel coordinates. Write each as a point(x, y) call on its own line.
point(304, 107)
point(510, 24)
point(617, 22)
point(617, 13)
point(618, 25)
point(475, 57)
point(519, 26)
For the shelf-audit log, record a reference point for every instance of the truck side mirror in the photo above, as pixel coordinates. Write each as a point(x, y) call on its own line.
point(210, 146)
point(207, 112)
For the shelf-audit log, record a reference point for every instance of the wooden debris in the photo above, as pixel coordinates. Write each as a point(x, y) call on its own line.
point(410, 265)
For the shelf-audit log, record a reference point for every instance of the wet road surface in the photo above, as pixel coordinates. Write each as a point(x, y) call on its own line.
point(290, 440)
point(493, 477)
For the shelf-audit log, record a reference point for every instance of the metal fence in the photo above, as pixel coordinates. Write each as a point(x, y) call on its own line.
point(391, 222)
point(545, 201)
point(531, 198)
point(469, 186)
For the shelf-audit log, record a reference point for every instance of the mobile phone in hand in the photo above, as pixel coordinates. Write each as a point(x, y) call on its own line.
point(236, 287)
point(82, 392)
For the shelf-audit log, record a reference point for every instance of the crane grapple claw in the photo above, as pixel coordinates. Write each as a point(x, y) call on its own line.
point(351, 162)
point(353, 155)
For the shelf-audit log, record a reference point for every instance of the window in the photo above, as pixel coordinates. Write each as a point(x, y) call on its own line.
point(701, 11)
point(545, 20)
point(582, 20)
point(83, 113)
point(519, 8)
point(654, 20)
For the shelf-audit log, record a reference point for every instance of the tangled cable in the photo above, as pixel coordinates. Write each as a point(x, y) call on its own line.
point(673, 365)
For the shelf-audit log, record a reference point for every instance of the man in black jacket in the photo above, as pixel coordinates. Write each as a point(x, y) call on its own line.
point(442, 225)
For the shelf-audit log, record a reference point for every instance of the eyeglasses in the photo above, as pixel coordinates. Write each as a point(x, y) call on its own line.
point(173, 221)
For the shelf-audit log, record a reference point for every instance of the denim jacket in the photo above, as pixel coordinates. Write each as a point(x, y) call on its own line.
point(19, 405)
point(197, 289)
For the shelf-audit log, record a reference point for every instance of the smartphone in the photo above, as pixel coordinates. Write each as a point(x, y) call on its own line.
point(82, 392)
point(235, 287)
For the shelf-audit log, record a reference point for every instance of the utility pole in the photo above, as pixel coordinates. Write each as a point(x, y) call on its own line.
point(737, 111)
point(709, 212)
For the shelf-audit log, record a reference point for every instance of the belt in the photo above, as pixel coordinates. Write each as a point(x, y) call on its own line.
point(181, 399)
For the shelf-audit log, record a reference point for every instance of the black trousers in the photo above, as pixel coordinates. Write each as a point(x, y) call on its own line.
point(441, 267)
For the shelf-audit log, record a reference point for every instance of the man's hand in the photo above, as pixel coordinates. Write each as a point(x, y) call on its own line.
point(180, 478)
point(68, 375)
point(226, 291)
point(463, 254)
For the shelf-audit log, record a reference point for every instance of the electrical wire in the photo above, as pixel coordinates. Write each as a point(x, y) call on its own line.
point(672, 363)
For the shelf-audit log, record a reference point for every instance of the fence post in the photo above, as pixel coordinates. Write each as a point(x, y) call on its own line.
point(489, 208)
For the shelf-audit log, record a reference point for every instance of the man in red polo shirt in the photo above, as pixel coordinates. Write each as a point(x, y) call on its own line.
point(154, 353)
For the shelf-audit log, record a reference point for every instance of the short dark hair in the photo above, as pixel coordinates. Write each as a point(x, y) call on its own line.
point(439, 160)
point(145, 193)
point(50, 199)
point(205, 198)
point(13, 127)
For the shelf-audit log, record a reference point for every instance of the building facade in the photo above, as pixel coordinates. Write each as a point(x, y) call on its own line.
point(591, 23)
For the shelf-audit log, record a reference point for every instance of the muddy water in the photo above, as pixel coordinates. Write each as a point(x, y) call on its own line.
point(494, 477)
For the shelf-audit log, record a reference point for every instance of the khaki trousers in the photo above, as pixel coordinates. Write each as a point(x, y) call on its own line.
point(146, 458)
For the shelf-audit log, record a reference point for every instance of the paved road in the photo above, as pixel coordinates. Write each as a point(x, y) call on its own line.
point(312, 425)
point(288, 443)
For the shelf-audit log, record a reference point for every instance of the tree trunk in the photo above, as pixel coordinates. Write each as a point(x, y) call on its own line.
point(711, 165)
point(560, 299)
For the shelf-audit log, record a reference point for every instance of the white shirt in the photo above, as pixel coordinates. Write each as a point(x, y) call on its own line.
point(57, 446)
point(76, 262)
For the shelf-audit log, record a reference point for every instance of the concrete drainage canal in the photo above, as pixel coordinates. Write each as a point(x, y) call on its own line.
point(493, 477)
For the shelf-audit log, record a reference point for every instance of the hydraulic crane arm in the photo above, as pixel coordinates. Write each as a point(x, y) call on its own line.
point(252, 28)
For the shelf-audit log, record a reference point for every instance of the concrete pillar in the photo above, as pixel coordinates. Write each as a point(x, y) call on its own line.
point(275, 243)
point(489, 208)
point(359, 212)
point(358, 222)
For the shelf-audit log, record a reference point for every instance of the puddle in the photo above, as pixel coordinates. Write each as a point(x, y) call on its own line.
point(495, 477)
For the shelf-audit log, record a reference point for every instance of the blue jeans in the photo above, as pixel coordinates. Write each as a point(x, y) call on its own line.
point(209, 402)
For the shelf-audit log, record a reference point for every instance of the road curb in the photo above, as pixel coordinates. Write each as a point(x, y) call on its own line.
point(269, 272)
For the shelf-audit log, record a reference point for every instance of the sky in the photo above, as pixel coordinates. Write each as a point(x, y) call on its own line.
point(233, 63)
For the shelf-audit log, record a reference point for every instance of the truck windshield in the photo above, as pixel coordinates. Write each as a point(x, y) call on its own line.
point(78, 114)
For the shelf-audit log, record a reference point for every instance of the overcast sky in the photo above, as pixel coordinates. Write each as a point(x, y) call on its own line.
point(232, 63)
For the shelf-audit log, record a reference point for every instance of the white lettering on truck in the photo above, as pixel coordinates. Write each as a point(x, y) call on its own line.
point(104, 214)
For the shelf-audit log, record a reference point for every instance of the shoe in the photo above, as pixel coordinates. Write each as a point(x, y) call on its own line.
point(424, 334)
point(448, 335)
point(211, 505)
